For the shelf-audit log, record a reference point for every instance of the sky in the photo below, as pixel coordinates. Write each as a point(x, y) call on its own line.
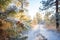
point(33, 7)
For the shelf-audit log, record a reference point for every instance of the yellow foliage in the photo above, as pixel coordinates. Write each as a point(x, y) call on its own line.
point(18, 4)
point(5, 25)
point(22, 16)
point(34, 21)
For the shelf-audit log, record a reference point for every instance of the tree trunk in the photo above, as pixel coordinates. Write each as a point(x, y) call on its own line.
point(57, 14)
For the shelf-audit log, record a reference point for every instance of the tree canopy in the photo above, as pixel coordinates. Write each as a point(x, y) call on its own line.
point(4, 3)
point(47, 4)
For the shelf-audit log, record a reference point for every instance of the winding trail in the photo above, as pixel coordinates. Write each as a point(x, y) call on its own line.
point(34, 34)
